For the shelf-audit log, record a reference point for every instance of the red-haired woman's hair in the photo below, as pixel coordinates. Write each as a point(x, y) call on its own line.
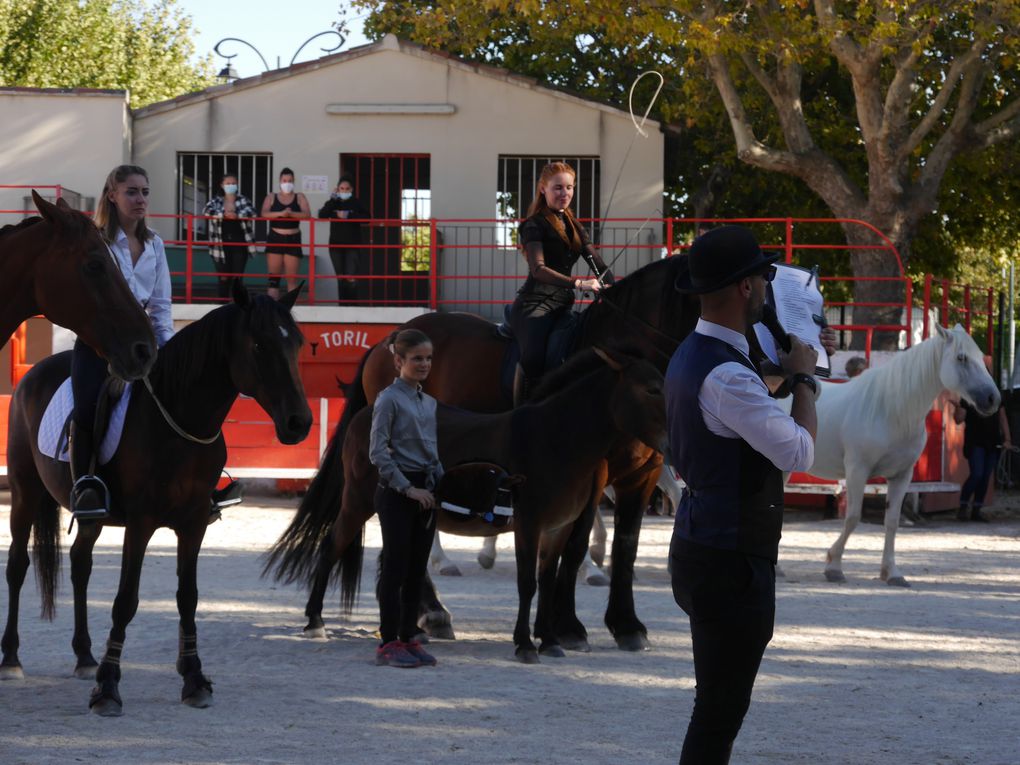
point(540, 207)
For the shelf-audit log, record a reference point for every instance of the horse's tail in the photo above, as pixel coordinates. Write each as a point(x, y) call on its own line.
point(295, 554)
point(349, 573)
point(46, 554)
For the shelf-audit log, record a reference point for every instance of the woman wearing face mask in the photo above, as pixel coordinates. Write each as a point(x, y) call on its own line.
point(138, 252)
point(283, 245)
point(552, 240)
point(231, 239)
point(345, 213)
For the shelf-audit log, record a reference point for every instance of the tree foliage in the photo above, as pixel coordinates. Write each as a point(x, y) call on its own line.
point(902, 114)
point(140, 46)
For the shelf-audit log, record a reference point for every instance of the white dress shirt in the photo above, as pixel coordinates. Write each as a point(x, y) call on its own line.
point(736, 404)
point(149, 280)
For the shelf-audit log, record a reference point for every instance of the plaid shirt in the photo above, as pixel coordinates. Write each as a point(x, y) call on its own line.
point(214, 209)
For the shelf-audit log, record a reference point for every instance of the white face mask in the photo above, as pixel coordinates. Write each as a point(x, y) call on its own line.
point(286, 188)
point(344, 195)
point(230, 188)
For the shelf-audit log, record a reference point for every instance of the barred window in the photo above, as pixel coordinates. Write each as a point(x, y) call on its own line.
point(198, 179)
point(517, 181)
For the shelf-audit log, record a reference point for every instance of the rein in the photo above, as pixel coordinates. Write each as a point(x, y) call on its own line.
point(170, 420)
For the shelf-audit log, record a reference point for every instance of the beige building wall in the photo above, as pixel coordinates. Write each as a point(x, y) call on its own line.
point(68, 137)
point(294, 115)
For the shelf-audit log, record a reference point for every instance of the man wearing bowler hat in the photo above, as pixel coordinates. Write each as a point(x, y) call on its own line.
point(731, 443)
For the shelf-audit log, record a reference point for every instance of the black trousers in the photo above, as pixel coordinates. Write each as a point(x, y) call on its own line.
point(235, 260)
point(407, 533)
point(731, 601)
point(532, 330)
point(348, 262)
point(88, 371)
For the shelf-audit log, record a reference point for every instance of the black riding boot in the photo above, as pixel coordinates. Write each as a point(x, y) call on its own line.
point(88, 493)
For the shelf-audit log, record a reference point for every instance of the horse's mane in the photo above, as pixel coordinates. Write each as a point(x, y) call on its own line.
point(881, 390)
point(578, 366)
point(185, 357)
point(627, 288)
point(13, 227)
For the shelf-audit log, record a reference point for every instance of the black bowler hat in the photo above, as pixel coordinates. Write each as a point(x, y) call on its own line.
point(721, 257)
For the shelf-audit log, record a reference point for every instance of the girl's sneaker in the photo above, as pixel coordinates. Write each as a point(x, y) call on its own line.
point(395, 654)
point(424, 658)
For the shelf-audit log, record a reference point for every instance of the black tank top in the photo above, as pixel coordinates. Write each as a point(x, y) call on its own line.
point(279, 206)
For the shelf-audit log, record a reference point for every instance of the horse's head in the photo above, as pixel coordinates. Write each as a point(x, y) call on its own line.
point(637, 405)
point(264, 361)
point(78, 285)
point(962, 370)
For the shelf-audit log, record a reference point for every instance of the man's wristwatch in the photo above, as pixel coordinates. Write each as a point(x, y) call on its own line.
point(808, 380)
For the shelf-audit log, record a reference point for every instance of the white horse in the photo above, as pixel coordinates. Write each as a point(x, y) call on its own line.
point(873, 426)
point(591, 567)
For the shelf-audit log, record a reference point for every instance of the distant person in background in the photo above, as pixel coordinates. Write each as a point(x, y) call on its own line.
point(346, 212)
point(855, 365)
point(982, 437)
point(283, 244)
point(231, 238)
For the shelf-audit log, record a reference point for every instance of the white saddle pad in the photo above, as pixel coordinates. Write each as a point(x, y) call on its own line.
point(52, 442)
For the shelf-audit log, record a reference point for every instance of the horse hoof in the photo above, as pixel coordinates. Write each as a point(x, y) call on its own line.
point(636, 641)
point(107, 708)
point(598, 579)
point(86, 671)
point(527, 656)
point(897, 581)
point(314, 633)
point(200, 699)
point(598, 556)
point(834, 576)
point(452, 570)
point(553, 651)
point(486, 561)
point(440, 631)
point(12, 672)
point(575, 643)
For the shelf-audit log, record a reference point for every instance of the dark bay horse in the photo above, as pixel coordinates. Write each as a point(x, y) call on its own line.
point(158, 477)
point(642, 310)
point(558, 444)
point(58, 265)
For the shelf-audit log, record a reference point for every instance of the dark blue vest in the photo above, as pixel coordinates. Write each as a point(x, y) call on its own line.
point(734, 499)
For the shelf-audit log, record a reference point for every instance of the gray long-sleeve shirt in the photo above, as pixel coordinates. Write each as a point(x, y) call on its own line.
point(404, 436)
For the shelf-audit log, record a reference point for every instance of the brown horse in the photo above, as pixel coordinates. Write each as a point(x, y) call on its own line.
point(58, 265)
point(554, 443)
point(642, 309)
point(161, 475)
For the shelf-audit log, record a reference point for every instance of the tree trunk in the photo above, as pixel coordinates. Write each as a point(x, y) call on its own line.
point(880, 291)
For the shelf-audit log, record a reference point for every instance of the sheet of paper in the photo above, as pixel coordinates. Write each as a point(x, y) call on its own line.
point(798, 301)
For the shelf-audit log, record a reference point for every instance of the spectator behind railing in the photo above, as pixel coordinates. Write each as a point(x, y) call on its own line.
point(345, 212)
point(231, 237)
point(283, 244)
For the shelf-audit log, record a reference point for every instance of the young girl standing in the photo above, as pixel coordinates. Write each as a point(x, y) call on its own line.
point(403, 447)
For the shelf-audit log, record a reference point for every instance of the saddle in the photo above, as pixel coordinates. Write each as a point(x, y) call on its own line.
point(478, 490)
point(111, 410)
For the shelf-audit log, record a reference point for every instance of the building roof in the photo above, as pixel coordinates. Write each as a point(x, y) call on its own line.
point(23, 91)
point(388, 42)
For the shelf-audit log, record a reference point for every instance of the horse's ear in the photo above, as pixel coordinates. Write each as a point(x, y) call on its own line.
point(942, 331)
point(51, 213)
point(63, 205)
point(291, 297)
point(612, 363)
point(241, 295)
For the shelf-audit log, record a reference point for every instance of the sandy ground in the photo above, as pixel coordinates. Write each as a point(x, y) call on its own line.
point(857, 673)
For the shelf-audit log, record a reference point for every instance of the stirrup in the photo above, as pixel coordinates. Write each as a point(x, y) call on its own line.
point(231, 494)
point(92, 514)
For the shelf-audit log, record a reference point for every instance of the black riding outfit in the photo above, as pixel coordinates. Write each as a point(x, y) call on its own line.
point(548, 293)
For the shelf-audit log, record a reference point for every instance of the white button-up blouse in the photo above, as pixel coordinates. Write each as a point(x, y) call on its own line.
point(149, 280)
